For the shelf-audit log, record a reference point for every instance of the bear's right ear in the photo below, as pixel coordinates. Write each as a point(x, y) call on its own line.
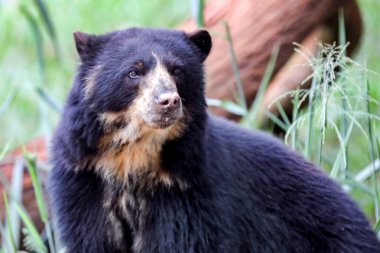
point(87, 45)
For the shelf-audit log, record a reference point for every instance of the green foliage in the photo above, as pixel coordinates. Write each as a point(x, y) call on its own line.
point(33, 240)
point(250, 115)
point(32, 168)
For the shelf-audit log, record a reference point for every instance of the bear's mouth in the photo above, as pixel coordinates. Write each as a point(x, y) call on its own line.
point(161, 124)
point(162, 120)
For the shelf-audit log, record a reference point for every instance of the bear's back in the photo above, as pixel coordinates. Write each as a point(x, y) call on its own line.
point(273, 192)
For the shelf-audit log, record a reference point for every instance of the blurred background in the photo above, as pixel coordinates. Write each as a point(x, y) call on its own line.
point(34, 56)
point(307, 71)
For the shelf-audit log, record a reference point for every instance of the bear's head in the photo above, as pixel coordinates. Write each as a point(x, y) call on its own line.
point(143, 85)
point(155, 73)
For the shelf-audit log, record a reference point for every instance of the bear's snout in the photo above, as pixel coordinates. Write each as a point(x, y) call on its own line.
point(166, 108)
point(168, 101)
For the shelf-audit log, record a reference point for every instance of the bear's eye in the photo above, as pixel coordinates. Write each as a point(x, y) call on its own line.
point(177, 72)
point(133, 74)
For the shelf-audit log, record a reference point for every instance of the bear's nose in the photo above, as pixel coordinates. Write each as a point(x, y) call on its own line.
point(168, 100)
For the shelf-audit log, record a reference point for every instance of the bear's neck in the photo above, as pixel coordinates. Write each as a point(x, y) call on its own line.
point(140, 157)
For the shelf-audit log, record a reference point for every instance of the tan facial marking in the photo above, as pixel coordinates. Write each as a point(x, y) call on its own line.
point(157, 77)
point(160, 73)
point(89, 82)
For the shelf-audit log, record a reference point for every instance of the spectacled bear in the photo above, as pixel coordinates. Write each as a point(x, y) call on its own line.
point(140, 166)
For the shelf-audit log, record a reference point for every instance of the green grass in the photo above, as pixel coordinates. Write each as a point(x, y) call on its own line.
point(339, 130)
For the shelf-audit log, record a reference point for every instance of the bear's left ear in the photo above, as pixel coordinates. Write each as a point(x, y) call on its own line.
point(202, 40)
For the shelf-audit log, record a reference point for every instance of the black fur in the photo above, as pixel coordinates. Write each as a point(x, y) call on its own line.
point(244, 191)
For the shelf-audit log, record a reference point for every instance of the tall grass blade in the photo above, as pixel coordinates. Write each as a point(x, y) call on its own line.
point(277, 121)
point(341, 154)
point(334, 173)
point(342, 43)
point(342, 28)
point(41, 62)
point(7, 231)
point(282, 112)
point(254, 109)
point(311, 105)
point(38, 243)
point(50, 100)
point(15, 193)
point(235, 67)
point(5, 247)
point(309, 135)
point(5, 149)
point(9, 236)
point(32, 168)
point(197, 7)
point(50, 236)
point(38, 40)
point(46, 17)
point(7, 103)
point(367, 171)
point(294, 133)
point(227, 105)
point(377, 228)
point(349, 184)
point(378, 159)
point(372, 153)
point(3, 179)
